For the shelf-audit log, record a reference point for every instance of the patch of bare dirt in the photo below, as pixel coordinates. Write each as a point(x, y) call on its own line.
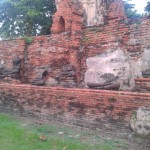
point(124, 136)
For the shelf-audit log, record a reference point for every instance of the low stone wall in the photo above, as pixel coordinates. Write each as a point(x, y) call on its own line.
point(142, 84)
point(81, 107)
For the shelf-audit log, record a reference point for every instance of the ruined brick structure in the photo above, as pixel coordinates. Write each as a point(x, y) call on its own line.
point(101, 51)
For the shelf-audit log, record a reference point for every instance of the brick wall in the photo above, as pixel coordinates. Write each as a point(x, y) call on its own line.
point(82, 107)
point(62, 56)
point(43, 53)
point(142, 84)
point(98, 39)
point(133, 38)
point(74, 45)
point(10, 49)
point(47, 52)
point(51, 53)
point(68, 17)
point(57, 50)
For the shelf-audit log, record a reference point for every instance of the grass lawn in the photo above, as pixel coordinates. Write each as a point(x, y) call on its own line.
point(15, 135)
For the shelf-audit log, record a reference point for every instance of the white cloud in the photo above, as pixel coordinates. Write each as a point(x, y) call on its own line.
point(139, 5)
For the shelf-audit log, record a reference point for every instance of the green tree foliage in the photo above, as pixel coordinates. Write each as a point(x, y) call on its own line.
point(130, 10)
point(25, 17)
point(147, 8)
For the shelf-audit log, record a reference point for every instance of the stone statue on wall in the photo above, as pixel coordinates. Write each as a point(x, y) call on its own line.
point(113, 69)
point(10, 74)
point(94, 12)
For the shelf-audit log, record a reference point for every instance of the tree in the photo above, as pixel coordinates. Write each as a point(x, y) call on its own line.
point(130, 10)
point(147, 8)
point(25, 17)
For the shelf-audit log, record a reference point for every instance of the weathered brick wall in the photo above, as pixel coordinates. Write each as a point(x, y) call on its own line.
point(55, 56)
point(132, 38)
point(98, 39)
point(74, 45)
point(68, 18)
point(11, 50)
point(139, 35)
point(142, 85)
point(83, 107)
point(47, 52)
point(44, 53)
point(57, 50)
point(60, 60)
point(51, 53)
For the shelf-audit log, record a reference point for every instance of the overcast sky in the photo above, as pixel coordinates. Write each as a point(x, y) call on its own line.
point(139, 5)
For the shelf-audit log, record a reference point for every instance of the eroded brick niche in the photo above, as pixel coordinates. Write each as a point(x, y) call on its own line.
point(68, 17)
point(61, 25)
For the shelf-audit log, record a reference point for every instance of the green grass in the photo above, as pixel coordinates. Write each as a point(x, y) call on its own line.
point(14, 135)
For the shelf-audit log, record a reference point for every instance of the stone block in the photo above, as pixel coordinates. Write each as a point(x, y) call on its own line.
point(112, 67)
point(140, 121)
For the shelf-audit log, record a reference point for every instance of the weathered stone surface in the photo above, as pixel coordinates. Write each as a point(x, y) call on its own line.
point(67, 76)
point(68, 67)
point(38, 82)
point(2, 62)
point(112, 68)
point(51, 82)
point(140, 121)
point(14, 72)
point(41, 73)
point(41, 76)
point(107, 86)
point(144, 63)
point(16, 67)
point(94, 12)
